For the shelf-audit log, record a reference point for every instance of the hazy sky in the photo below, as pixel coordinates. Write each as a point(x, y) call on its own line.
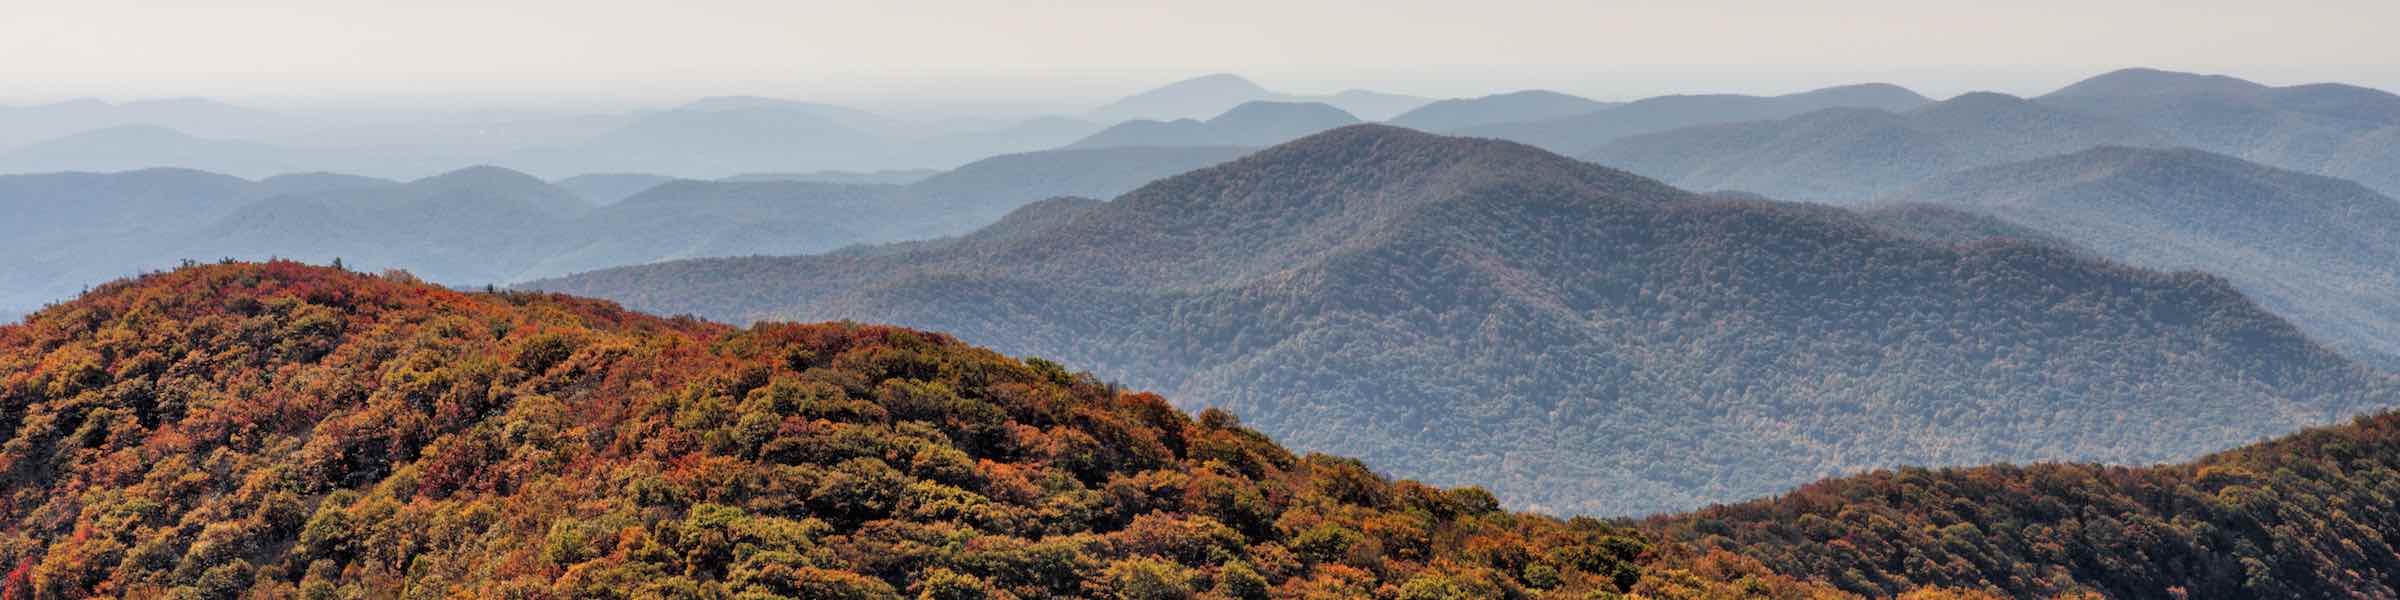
point(1004, 51)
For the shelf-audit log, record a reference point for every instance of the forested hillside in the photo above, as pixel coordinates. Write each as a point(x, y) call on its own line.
point(2322, 252)
point(1851, 155)
point(283, 431)
point(1580, 339)
point(2311, 515)
point(1579, 133)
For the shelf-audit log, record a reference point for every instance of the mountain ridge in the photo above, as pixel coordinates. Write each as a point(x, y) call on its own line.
point(1458, 306)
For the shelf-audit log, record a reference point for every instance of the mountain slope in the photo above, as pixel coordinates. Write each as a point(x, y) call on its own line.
point(1250, 124)
point(603, 189)
point(1462, 113)
point(1579, 338)
point(2309, 515)
point(2321, 251)
point(1852, 155)
point(2329, 129)
point(287, 431)
point(483, 226)
point(473, 225)
point(1574, 135)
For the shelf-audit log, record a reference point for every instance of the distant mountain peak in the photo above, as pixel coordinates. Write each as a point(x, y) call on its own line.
point(1265, 110)
point(2143, 81)
point(1870, 94)
point(482, 174)
point(1222, 81)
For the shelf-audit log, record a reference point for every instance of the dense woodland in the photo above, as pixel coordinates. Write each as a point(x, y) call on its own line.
point(284, 431)
point(1577, 338)
point(2312, 515)
point(2320, 251)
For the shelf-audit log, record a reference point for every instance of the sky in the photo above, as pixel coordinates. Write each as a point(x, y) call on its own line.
point(1031, 52)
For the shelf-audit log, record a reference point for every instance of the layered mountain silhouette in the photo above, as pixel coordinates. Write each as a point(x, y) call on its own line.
point(602, 189)
point(1576, 134)
point(491, 225)
point(1252, 124)
point(1209, 95)
point(1856, 154)
point(208, 118)
point(1577, 337)
point(1528, 105)
point(2329, 129)
point(2323, 252)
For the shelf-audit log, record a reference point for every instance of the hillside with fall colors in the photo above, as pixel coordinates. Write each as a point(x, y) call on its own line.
point(284, 431)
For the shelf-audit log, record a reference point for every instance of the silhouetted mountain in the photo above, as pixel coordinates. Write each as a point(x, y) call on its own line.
point(602, 189)
point(490, 225)
point(134, 147)
point(1574, 135)
point(2329, 129)
point(891, 177)
point(208, 118)
point(1208, 95)
point(1577, 337)
point(52, 207)
point(1855, 154)
point(1252, 124)
point(1529, 105)
point(474, 225)
point(1193, 98)
point(2321, 251)
point(1371, 105)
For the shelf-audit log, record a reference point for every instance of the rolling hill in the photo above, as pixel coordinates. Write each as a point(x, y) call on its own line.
point(290, 431)
point(2329, 129)
point(1852, 155)
point(489, 225)
point(2322, 252)
point(1576, 337)
point(1528, 105)
point(1576, 134)
point(32, 123)
point(1208, 95)
point(1252, 124)
point(281, 430)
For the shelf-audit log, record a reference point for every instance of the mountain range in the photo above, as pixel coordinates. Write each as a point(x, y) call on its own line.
point(1855, 154)
point(489, 225)
point(1576, 134)
point(536, 444)
point(2330, 129)
point(2322, 252)
point(1209, 95)
point(1578, 338)
point(1849, 155)
point(1528, 105)
point(1252, 124)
